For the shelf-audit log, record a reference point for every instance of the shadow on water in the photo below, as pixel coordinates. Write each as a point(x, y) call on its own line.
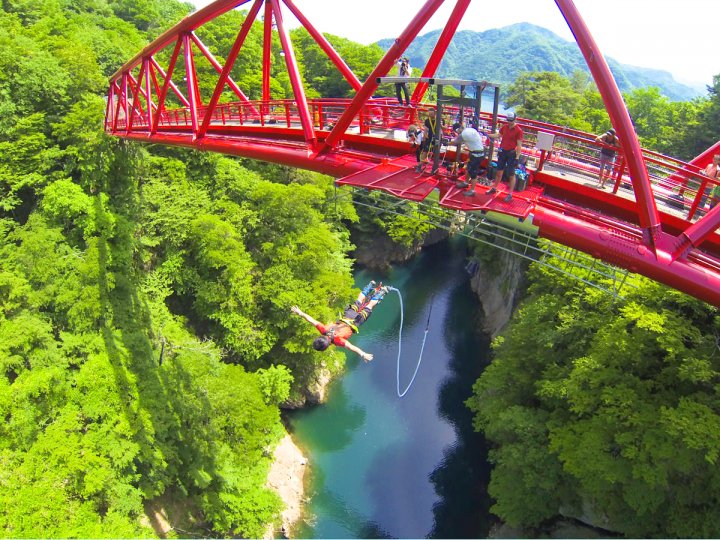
point(461, 479)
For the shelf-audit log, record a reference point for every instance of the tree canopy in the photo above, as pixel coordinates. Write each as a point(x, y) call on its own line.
point(145, 341)
point(605, 409)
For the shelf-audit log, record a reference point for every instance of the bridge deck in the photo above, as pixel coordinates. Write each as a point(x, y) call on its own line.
point(399, 177)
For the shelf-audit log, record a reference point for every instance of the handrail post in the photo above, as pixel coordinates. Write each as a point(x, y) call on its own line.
point(698, 197)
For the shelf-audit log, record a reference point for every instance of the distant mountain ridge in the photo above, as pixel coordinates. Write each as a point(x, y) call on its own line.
point(484, 55)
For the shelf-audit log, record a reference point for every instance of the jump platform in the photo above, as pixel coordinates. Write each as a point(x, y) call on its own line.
point(399, 178)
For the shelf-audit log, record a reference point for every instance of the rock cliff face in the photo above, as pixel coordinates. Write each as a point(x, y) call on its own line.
point(313, 390)
point(499, 282)
point(380, 251)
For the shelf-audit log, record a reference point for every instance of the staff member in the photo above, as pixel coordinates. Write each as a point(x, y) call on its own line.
point(511, 138)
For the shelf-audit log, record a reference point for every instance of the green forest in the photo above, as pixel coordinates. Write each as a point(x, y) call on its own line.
point(145, 341)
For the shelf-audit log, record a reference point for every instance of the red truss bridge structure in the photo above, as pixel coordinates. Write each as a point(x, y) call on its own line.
point(657, 219)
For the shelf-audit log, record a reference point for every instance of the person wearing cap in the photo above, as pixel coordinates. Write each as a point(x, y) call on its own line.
point(470, 137)
point(607, 154)
point(511, 138)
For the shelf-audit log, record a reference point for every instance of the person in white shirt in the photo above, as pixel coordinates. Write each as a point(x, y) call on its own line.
point(471, 138)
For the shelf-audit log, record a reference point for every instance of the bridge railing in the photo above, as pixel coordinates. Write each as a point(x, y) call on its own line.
point(681, 186)
point(678, 185)
point(377, 115)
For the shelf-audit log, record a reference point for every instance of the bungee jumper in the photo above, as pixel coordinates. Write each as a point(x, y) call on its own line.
point(353, 317)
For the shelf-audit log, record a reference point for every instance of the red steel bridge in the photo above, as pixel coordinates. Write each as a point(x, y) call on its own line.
point(654, 220)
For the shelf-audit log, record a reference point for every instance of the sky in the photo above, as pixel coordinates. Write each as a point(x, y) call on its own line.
point(679, 36)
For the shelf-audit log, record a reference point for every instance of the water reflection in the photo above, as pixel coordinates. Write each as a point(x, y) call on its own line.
point(334, 508)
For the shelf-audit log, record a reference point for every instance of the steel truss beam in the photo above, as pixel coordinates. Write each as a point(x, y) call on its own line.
point(137, 109)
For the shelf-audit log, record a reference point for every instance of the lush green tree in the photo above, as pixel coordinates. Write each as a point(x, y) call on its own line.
point(604, 411)
point(546, 96)
point(708, 126)
point(109, 400)
point(275, 384)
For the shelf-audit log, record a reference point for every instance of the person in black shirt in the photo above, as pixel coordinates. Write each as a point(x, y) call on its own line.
point(607, 155)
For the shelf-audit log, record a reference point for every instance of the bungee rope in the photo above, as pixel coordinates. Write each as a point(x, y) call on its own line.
point(422, 348)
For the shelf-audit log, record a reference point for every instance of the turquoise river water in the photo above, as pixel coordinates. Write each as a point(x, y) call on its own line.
point(388, 467)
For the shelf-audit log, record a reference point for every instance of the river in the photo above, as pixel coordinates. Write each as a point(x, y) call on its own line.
point(382, 466)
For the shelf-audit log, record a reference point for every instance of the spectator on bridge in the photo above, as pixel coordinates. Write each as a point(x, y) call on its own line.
point(416, 135)
point(404, 70)
point(354, 316)
point(430, 126)
point(470, 137)
point(712, 171)
point(511, 138)
point(607, 155)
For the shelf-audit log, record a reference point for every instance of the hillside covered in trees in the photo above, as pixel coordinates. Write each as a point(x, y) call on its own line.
point(144, 337)
point(145, 341)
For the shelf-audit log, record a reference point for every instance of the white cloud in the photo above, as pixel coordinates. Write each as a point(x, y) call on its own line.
point(677, 36)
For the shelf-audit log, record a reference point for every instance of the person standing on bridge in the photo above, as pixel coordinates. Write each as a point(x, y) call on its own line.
point(470, 137)
point(354, 316)
point(511, 139)
point(428, 143)
point(404, 70)
point(607, 154)
point(712, 171)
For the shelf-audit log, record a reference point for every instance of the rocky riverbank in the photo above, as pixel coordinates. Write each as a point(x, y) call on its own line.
point(286, 479)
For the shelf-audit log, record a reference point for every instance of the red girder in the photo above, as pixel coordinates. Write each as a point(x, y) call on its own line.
point(440, 47)
point(326, 46)
point(225, 73)
point(267, 52)
point(387, 62)
point(295, 78)
point(340, 137)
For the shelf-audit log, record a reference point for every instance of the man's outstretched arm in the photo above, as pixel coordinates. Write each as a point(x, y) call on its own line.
point(297, 311)
point(357, 350)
